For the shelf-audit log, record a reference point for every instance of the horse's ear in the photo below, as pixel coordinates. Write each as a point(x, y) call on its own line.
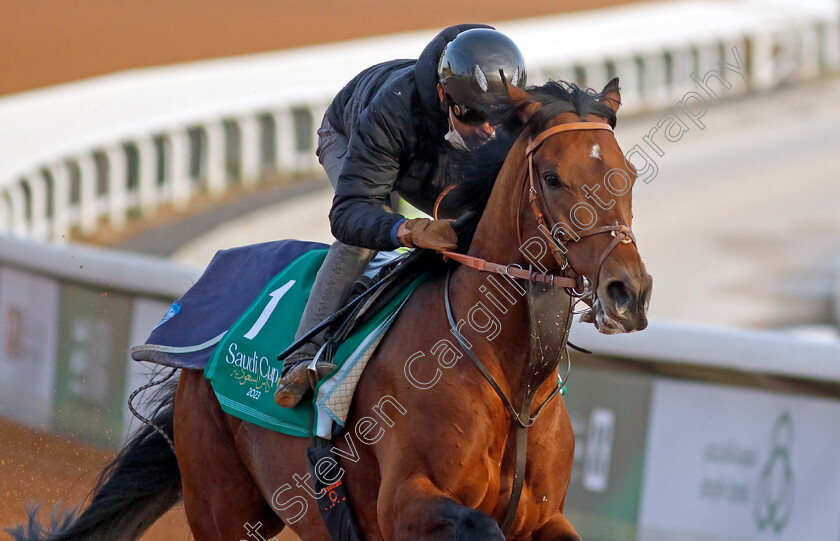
point(521, 101)
point(611, 96)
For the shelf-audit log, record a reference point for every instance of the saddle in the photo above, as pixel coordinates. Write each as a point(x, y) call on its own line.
point(195, 323)
point(386, 276)
point(246, 307)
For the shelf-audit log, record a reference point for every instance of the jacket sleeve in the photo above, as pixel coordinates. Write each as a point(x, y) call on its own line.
point(380, 142)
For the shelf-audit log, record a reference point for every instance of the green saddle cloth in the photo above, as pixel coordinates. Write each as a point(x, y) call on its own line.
point(244, 369)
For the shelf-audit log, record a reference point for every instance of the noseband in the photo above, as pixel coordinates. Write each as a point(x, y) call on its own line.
point(620, 233)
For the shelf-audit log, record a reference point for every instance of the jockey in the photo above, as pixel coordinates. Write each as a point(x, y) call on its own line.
point(387, 131)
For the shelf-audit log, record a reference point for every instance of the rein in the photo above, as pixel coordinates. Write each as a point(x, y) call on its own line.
point(513, 270)
point(573, 286)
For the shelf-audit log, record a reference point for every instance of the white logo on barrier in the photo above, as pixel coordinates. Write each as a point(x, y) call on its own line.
point(774, 493)
point(599, 440)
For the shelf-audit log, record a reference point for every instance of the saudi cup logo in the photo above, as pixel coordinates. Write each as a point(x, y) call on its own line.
point(774, 493)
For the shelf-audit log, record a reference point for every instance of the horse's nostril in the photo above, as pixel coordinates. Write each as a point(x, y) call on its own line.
point(619, 294)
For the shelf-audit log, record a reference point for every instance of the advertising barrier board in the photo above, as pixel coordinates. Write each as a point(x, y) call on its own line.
point(728, 463)
point(28, 329)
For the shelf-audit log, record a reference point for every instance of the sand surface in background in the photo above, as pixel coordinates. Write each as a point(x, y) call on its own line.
point(47, 42)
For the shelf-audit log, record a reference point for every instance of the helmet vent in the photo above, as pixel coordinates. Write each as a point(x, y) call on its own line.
point(515, 79)
point(481, 78)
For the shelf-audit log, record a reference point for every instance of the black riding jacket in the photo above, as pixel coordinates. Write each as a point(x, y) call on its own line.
point(392, 116)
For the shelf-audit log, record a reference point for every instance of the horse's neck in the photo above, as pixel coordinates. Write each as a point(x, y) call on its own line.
point(492, 314)
point(496, 237)
point(482, 294)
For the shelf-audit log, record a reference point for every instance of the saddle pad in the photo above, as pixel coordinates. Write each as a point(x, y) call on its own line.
point(195, 323)
point(244, 369)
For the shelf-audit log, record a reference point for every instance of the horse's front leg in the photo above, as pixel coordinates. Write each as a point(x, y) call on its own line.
point(556, 528)
point(415, 510)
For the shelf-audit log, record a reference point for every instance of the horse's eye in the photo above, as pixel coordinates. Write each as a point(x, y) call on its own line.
point(552, 180)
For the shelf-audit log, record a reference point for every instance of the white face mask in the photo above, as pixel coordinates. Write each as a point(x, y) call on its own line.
point(454, 137)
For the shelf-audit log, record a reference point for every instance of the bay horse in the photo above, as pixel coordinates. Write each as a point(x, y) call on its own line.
point(434, 446)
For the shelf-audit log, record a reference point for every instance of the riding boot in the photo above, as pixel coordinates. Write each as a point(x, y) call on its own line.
point(300, 375)
point(333, 283)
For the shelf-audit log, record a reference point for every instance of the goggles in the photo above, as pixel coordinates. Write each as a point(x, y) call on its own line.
point(468, 115)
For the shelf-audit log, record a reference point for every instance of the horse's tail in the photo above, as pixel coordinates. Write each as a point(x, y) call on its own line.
point(132, 492)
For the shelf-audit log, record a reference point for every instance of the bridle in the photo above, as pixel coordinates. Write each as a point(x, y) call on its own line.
point(574, 286)
point(620, 233)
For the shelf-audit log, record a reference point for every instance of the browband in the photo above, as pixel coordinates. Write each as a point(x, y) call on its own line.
point(538, 140)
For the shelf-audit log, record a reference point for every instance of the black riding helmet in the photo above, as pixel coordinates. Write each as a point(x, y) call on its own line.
point(468, 71)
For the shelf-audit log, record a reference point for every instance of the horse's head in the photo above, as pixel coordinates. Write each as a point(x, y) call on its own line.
point(577, 197)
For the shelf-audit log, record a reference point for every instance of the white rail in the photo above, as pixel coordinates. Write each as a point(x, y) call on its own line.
point(774, 353)
point(122, 145)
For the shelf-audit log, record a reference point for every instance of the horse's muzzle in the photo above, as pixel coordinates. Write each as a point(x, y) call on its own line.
point(622, 303)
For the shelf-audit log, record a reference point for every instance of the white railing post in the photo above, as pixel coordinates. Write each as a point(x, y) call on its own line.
point(249, 149)
point(682, 67)
point(147, 164)
point(628, 80)
point(540, 74)
point(596, 74)
point(18, 225)
point(566, 73)
point(285, 141)
point(5, 213)
point(785, 61)
point(318, 111)
point(61, 201)
point(178, 167)
point(809, 51)
point(39, 222)
point(707, 58)
point(215, 156)
point(761, 51)
point(656, 91)
point(117, 185)
point(88, 208)
point(831, 47)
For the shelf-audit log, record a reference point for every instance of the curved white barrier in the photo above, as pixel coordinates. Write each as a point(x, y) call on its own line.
point(773, 353)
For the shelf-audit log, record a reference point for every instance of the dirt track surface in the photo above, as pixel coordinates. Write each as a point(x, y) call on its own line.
point(46, 42)
point(39, 467)
point(45, 468)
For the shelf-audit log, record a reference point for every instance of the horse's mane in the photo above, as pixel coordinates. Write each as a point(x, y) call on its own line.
point(475, 172)
point(560, 97)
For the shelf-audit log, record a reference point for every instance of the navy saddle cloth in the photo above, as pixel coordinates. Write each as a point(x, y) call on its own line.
point(196, 322)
